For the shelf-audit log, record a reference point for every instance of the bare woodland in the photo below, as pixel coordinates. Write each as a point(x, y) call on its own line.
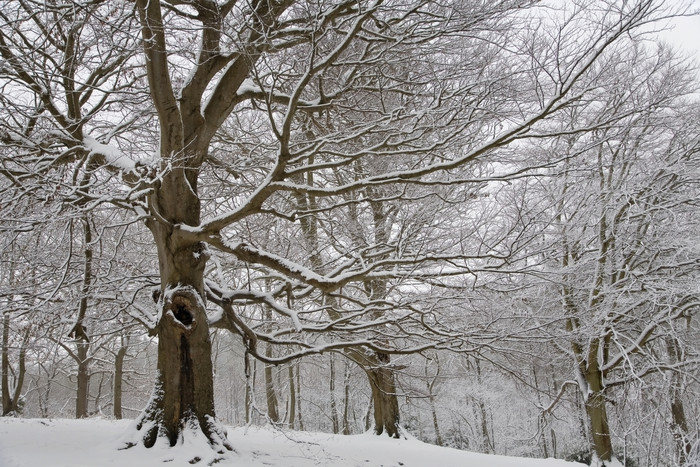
point(472, 221)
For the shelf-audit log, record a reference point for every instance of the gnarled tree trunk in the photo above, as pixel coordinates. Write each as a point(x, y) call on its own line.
point(184, 385)
point(385, 402)
point(184, 389)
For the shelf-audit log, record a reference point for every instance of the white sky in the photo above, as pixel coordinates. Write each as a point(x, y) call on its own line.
point(685, 32)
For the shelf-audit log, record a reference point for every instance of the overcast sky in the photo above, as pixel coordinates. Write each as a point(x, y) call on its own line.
point(686, 31)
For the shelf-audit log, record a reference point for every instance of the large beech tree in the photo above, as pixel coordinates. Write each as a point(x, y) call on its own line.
point(257, 109)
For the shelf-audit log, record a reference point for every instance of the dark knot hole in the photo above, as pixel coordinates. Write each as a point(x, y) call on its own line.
point(183, 315)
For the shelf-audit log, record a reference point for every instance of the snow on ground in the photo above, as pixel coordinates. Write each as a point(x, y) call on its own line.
point(94, 442)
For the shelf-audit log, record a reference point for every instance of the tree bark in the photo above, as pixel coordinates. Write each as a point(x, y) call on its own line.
point(596, 410)
point(184, 391)
point(184, 388)
point(679, 423)
point(83, 389)
point(118, 377)
point(17, 403)
point(6, 399)
point(79, 332)
point(386, 404)
point(270, 393)
point(249, 387)
point(292, 396)
point(489, 446)
point(334, 404)
point(346, 401)
point(430, 384)
point(298, 393)
point(11, 396)
point(376, 365)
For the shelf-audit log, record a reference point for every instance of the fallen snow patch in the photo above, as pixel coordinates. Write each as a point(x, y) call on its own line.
point(94, 442)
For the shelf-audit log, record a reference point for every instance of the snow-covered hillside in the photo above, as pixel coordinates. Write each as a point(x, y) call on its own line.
point(94, 442)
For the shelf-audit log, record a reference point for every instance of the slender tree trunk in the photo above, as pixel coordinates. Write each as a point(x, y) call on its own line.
point(542, 419)
point(430, 384)
point(489, 446)
point(299, 411)
point(83, 390)
point(679, 423)
point(292, 396)
point(12, 390)
point(346, 400)
point(118, 379)
point(249, 383)
point(679, 428)
point(98, 397)
point(6, 398)
point(17, 404)
point(334, 404)
point(596, 409)
point(368, 415)
point(79, 332)
point(270, 394)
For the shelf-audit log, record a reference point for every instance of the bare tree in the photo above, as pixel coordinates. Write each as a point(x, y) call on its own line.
point(626, 269)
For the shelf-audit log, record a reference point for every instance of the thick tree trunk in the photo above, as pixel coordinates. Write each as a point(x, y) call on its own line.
point(376, 365)
point(271, 395)
point(598, 416)
point(184, 391)
point(183, 396)
point(600, 431)
point(384, 400)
